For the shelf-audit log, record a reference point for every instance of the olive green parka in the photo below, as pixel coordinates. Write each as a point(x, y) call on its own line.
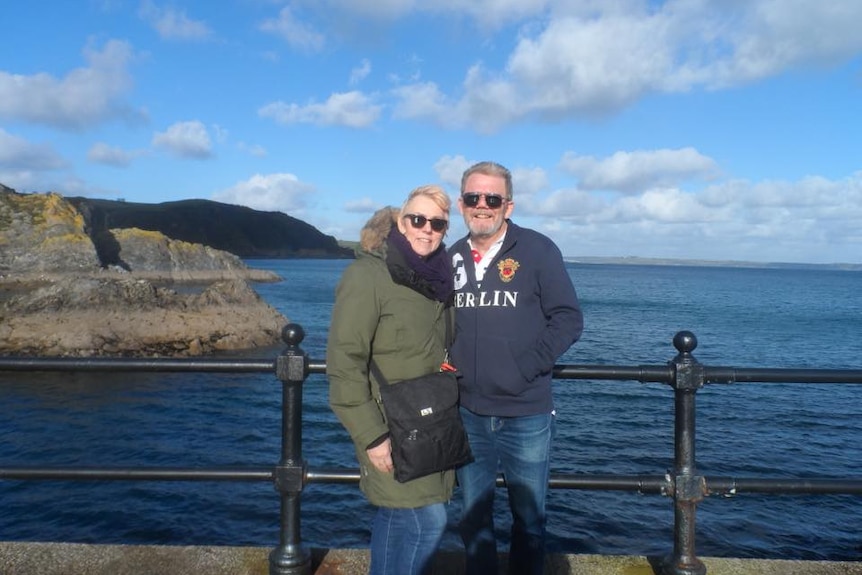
point(405, 333)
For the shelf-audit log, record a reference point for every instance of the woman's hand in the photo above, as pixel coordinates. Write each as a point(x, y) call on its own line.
point(381, 456)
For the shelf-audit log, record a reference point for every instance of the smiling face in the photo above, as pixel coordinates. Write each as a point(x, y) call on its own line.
point(424, 240)
point(484, 223)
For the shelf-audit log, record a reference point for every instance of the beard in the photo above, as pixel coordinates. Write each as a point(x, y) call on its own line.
point(484, 228)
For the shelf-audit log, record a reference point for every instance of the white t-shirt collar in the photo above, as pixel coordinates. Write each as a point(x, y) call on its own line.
point(485, 261)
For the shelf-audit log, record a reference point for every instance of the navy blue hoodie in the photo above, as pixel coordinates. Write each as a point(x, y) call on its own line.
point(510, 333)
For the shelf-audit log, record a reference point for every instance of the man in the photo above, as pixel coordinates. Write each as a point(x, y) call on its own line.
point(516, 313)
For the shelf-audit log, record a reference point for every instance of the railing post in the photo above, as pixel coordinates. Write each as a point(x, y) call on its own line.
point(688, 487)
point(290, 558)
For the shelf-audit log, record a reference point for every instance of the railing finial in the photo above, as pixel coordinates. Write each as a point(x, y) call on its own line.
point(292, 334)
point(685, 342)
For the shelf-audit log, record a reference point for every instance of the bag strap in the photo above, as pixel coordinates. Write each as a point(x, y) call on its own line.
point(449, 331)
point(375, 369)
point(378, 375)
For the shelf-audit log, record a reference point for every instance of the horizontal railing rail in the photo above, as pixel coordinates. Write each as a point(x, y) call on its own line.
point(687, 488)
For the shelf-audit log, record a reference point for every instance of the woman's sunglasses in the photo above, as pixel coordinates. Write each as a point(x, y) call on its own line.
point(418, 221)
point(471, 200)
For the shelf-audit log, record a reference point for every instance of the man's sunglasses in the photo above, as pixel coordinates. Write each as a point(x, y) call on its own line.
point(418, 221)
point(471, 200)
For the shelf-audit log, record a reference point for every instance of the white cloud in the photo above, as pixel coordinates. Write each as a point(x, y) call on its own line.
point(764, 38)
point(102, 153)
point(360, 72)
point(29, 167)
point(173, 24)
point(566, 204)
point(423, 100)
point(450, 169)
point(271, 192)
point(592, 59)
point(525, 181)
point(528, 181)
point(352, 109)
point(20, 155)
point(639, 170)
point(590, 66)
point(293, 31)
point(815, 196)
point(667, 205)
point(185, 140)
point(83, 98)
point(489, 102)
point(808, 220)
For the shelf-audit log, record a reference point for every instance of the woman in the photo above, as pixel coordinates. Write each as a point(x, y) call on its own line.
point(390, 306)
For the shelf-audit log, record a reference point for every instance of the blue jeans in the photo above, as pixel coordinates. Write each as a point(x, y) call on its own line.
point(403, 541)
point(521, 447)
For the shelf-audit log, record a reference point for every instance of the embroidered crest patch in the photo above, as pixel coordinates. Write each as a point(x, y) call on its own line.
point(507, 268)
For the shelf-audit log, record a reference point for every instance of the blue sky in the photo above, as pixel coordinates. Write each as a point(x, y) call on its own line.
point(698, 129)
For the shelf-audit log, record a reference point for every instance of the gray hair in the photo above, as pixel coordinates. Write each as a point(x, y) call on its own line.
point(489, 169)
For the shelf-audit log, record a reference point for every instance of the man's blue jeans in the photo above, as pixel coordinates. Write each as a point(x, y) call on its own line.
point(403, 541)
point(521, 447)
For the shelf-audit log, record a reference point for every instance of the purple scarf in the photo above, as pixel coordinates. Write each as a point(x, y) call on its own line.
point(431, 276)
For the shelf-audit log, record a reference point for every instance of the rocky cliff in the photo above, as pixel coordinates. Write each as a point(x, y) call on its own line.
point(69, 289)
point(44, 236)
point(42, 233)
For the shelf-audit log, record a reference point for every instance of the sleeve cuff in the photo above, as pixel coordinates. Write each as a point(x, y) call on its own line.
point(377, 441)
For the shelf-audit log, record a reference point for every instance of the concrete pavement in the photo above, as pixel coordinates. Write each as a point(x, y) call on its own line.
point(18, 558)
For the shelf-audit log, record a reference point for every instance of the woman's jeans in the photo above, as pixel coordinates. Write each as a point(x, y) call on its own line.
point(521, 447)
point(403, 541)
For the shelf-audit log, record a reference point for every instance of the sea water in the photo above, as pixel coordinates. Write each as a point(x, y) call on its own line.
point(742, 317)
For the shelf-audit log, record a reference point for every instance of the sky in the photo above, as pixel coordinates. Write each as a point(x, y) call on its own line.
point(692, 129)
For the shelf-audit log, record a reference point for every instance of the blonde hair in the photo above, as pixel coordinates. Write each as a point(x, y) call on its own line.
point(431, 191)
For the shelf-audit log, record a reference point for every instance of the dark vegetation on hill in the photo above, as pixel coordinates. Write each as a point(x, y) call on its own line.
point(242, 231)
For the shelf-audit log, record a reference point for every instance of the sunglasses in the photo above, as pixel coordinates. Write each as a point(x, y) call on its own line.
point(471, 200)
point(418, 221)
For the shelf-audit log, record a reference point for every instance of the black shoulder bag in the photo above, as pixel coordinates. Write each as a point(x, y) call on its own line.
point(425, 427)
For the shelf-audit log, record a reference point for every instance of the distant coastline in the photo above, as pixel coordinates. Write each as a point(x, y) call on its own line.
point(639, 261)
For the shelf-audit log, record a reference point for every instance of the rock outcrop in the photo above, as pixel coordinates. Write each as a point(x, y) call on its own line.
point(86, 317)
point(42, 233)
point(62, 293)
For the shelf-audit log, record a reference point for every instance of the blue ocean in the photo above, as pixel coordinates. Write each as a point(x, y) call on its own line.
point(742, 317)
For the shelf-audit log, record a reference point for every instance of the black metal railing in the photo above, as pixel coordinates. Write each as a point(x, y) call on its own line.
point(683, 483)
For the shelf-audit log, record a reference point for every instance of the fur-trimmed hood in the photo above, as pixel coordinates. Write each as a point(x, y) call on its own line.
point(376, 230)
